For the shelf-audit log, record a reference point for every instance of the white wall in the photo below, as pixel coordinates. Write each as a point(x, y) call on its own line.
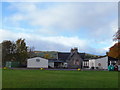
point(103, 61)
point(32, 63)
point(51, 64)
point(65, 64)
point(91, 63)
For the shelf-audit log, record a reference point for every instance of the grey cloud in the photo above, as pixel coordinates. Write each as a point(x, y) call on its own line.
point(47, 46)
point(68, 17)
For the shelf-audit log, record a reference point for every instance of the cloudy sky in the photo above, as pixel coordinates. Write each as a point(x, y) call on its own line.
point(60, 26)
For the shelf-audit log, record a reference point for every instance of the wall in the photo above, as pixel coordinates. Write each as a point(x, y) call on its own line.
point(32, 63)
point(51, 64)
point(65, 65)
point(95, 63)
point(75, 61)
point(91, 63)
point(103, 61)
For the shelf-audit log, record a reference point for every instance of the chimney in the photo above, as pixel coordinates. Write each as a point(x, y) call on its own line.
point(72, 50)
point(75, 49)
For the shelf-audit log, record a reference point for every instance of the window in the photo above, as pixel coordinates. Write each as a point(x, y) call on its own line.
point(37, 60)
point(99, 64)
point(77, 62)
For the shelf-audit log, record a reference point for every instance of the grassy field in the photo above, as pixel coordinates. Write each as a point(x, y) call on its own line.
point(59, 79)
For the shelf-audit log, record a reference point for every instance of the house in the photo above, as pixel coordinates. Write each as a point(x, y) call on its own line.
point(99, 63)
point(59, 61)
point(102, 62)
point(56, 64)
point(74, 60)
point(37, 62)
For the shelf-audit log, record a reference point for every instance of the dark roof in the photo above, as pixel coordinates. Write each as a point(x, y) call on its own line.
point(85, 59)
point(63, 56)
point(54, 60)
point(111, 58)
point(82, 55)
point(98, 57)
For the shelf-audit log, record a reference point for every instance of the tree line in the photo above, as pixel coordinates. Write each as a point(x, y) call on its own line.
point(16, 51)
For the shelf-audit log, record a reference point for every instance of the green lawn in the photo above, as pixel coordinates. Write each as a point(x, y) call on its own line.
point(59, 79)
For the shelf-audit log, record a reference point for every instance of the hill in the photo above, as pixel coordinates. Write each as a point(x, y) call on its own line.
point(54, 54)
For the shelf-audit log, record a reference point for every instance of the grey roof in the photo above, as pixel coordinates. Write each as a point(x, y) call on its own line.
point(55, 61)
point(63, 56)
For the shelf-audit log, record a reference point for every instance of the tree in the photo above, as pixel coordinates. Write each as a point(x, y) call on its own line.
point(47, 56)
point(14, 51)
point(21, 51)
point(117, 35)
point(31, 52)
point(114, 51)
point(8, 51)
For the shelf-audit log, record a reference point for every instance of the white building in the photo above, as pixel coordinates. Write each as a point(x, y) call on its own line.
point(37, 62)
point(100, 63)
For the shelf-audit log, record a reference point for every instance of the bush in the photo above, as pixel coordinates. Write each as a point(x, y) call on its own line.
point(4, 67)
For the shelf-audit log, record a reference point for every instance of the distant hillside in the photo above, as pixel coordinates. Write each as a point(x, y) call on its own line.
point(87, 56)
point(53, 54)
point(46, 54)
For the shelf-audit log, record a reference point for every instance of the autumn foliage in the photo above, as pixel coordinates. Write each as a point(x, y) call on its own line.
point(115, 51)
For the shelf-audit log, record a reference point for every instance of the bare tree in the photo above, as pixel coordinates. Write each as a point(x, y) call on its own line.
point(31, 52)
point(117, 35)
